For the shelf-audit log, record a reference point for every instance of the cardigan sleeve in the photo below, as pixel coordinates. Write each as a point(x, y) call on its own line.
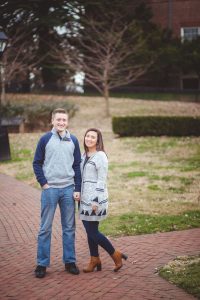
point(102, 171)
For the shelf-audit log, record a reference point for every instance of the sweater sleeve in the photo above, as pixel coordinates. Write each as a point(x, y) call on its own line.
point(76, 165)
point(102, 171)
point(38, 162)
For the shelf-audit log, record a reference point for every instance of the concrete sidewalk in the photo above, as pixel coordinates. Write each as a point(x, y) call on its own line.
point(138, 280)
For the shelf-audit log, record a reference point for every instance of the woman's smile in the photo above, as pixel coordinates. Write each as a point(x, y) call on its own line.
point(91, 139)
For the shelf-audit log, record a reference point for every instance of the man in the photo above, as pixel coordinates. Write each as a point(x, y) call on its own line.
point(57, 168)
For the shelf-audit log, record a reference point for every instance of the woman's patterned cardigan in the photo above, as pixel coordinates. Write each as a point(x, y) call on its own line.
point(94, 189)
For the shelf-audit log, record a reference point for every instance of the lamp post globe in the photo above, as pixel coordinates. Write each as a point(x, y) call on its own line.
point(3, 42)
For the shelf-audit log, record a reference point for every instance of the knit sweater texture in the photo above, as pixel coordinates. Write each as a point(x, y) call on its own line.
point(94, 187)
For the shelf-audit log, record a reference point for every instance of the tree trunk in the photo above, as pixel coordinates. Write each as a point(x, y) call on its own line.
point(106, 97)
point(3, 92)
point(197, 94)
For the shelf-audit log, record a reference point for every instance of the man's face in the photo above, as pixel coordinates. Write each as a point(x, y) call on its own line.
point(60, 122)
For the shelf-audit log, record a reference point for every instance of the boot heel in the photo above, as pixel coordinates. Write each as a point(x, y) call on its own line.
point(124, 256)
point(99, 267)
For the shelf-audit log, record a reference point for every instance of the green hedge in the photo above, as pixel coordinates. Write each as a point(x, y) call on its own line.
point(156, 126)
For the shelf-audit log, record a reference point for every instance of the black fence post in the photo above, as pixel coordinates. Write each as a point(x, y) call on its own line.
point(4, 139)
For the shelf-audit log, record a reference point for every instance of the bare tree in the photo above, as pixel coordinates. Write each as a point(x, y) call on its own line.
point(107, 51)
point(19, 59)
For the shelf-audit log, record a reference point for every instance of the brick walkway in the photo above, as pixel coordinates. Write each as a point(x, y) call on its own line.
point(20, 212)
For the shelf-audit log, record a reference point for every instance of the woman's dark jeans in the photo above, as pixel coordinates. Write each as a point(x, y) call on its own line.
point(96, 238)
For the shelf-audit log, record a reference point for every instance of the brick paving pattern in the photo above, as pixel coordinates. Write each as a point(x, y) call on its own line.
point(137, 280)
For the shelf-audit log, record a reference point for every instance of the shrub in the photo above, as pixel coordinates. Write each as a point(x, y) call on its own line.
point(156, 126)
point(12, 110)
point(37, 114)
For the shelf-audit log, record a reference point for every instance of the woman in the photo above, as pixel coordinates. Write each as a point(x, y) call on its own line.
point(94, 199)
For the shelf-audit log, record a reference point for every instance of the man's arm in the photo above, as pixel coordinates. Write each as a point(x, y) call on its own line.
point(38, 162)
point(76, 165)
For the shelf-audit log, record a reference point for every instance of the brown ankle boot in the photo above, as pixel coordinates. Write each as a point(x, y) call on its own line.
point(117, 257)
point(95, 262)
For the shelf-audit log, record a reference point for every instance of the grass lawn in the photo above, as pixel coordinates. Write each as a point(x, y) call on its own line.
point(165, 96)
point(137, 223)
point(150, 178)
point(184, 272)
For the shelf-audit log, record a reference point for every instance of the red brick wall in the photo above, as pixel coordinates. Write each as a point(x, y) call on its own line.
point(184, 13)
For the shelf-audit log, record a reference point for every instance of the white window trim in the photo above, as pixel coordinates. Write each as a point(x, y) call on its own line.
point(189, 27)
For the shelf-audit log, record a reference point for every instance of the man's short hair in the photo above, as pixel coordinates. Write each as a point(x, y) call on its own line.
point(60, 111)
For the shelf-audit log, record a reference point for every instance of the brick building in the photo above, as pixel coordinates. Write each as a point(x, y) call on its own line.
point(183, 18)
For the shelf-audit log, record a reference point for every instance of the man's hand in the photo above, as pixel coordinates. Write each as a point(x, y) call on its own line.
point(77, 196)
point(45, 186)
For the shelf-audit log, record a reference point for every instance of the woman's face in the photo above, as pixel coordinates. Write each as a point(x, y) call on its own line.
point(91, 140)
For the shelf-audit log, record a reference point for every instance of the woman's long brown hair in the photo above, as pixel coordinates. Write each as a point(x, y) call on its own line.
point(99, 145)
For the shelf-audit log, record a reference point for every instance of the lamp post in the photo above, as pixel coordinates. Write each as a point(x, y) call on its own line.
point(4, 141)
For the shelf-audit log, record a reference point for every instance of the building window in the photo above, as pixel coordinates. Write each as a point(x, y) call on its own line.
point(190, 33)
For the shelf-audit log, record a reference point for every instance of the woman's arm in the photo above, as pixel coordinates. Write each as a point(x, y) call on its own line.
point(102, 171)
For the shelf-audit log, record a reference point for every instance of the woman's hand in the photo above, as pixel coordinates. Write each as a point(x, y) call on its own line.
point(45, 186)
point(77, 196)
point(94, 207)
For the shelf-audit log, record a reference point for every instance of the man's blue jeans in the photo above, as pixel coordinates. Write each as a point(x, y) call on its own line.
point(49, 200)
